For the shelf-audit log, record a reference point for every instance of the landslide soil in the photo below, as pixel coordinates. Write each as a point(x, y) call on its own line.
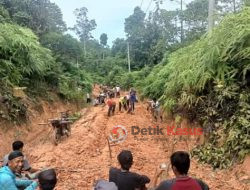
point(84, 157)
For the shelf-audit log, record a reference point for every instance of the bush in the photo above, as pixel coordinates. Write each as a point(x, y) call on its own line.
point(209, 80)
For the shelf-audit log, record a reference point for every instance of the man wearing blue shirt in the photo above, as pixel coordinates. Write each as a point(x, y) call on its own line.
point(8, 179)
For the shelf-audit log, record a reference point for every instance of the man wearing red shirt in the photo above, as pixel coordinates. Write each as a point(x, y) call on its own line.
point(111, 106)
point(180, 162)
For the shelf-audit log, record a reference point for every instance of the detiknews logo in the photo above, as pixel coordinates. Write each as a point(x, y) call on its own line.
point(118, 134)
point(169, 130)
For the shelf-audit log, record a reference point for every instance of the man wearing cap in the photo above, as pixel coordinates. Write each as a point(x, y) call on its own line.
point(8, 179)
point(18, 146)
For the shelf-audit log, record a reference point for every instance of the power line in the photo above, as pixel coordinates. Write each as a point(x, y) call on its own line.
point(128, 57)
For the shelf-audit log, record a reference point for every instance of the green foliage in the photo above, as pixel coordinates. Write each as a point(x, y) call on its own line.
point(76, 116)
point(72, 80)
point(4, 15)
point(247, 2)
point(231, 140)
point(114, 76)
point(195, 16)
point(68, 88)
point(41, 16)
point(134, 24)
point(74, 84)
point(11, 108)
point(229, 6)
point(209, 80)
point(134, 79)
point(64, 47)
point(135, 28)
point(24, 62)
point(103, 39)
point(83, 26)
point(108, 68)
point(119, 48)
point(151, 87)
point(21, 55)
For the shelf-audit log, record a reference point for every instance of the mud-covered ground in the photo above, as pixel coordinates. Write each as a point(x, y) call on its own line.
point(84, 157)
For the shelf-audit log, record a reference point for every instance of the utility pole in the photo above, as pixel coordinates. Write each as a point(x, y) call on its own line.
point(77, 65)
point(84, 47)
point(128, 58)
point(211, 14)
point(181, 20)
point(234, 6)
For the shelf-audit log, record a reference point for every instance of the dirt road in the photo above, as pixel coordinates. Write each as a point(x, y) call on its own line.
point(84, 156)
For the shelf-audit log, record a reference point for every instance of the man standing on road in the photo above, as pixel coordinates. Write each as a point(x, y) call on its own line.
point(111, 106)
point(132, 100)
point(118, 89)
point(88, 98)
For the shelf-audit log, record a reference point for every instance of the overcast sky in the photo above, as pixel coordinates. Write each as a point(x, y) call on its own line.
point(108, 14)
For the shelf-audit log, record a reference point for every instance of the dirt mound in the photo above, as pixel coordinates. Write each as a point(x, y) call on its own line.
point(84, 156)
point(31, 132)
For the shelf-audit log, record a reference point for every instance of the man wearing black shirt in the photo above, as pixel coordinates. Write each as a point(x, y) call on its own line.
point(123, 178)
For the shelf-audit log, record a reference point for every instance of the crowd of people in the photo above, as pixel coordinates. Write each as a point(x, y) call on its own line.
point(126, 102)
point(123, 179)
point(15, 170)
point(106, 97)
point(17, 174)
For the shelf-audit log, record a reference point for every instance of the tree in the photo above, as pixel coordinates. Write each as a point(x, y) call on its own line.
point(154, 41)
point(135, 28)
point(21, 56)
point(41, 16)
point(65, 48)
point(167, 20)
point(119, 48)
point(103, 39)
point(228, 6)
point(4, 15)
point(134, 24)
point(83, 26)
point(246, 2)
point(195, 17)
